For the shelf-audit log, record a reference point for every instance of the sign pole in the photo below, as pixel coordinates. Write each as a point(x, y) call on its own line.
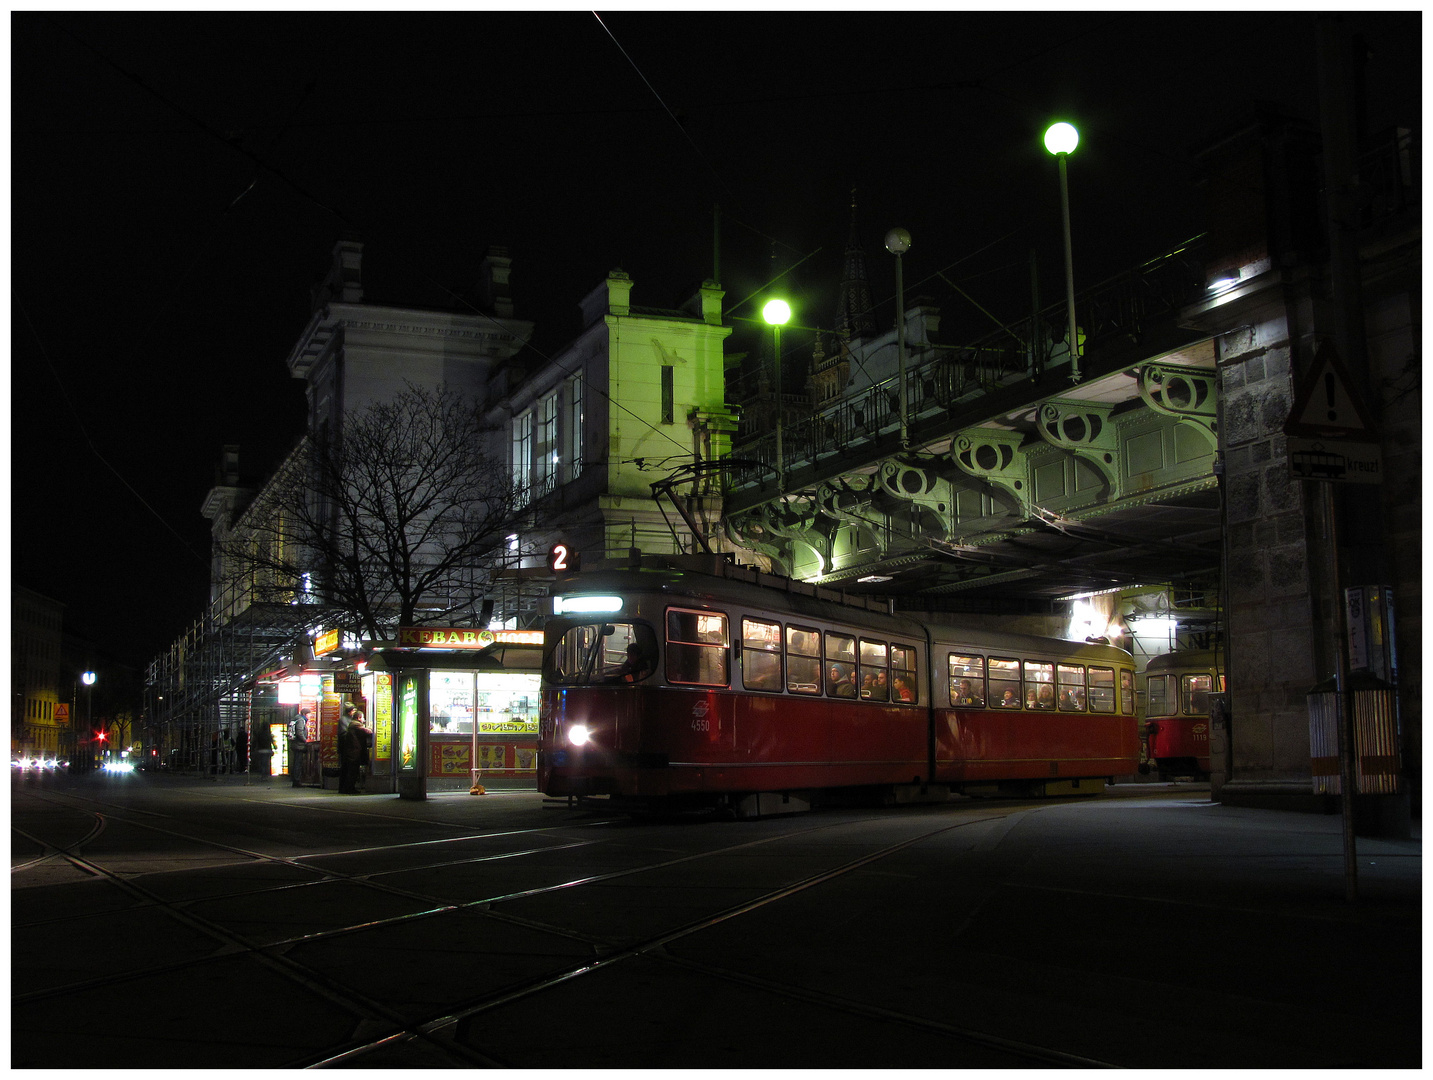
point(1344, 699)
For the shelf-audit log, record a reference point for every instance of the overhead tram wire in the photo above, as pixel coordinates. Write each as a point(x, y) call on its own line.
point(347, 222)
point(721, 184)
point(79, 423)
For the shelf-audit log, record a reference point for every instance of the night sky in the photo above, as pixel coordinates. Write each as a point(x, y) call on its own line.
point(179, 180)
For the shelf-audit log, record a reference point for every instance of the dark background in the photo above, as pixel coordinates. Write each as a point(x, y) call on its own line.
point(179, 181)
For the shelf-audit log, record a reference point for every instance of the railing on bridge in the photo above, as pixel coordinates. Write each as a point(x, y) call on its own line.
point(1389, 176)
point(940, 378)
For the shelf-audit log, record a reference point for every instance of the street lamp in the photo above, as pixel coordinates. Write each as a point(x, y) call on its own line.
point(898, 242)
point(88, 678)
point(1061, 140)
point(777, 313)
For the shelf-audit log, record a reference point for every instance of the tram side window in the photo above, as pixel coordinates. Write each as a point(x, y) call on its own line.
point(874, 683)
point(760, 655)
point(1039, 685)
point(967, 680)
point(696, 647)
point(1158, 701)
point(1126, 691)
point(1004, 683)
point(840, 665)
point(903, 674)
point(1071, 687)
point(1194, 695)
point(803, 660)
point(1102, 689)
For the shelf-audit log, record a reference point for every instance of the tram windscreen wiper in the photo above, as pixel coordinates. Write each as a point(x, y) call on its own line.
point(591, 661)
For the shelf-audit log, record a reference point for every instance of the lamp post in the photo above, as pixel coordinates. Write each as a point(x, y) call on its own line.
point(1061, 140)
point(898, 242)
point(777, 313)
point(88, 678)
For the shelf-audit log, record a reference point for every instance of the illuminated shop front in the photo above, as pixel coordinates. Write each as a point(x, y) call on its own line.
point(470, 697)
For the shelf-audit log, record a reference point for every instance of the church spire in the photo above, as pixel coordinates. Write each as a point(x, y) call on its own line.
point(853, 306)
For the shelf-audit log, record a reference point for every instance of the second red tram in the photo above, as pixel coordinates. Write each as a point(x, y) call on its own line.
point(1177, 686)
point(674, 687)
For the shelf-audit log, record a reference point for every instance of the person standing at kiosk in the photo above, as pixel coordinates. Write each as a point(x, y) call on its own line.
point(354, 737)
point(298, 743)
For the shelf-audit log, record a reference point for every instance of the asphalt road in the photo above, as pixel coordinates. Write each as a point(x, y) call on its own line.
point(168, 922)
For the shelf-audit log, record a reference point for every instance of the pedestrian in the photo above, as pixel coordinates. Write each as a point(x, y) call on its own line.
point(226, 751)
point(353, 740)
point(298, 744)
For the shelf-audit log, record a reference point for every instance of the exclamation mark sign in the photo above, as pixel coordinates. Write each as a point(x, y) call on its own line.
point(1328, 388)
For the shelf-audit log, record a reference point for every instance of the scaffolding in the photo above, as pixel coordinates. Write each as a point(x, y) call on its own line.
point(205, 682)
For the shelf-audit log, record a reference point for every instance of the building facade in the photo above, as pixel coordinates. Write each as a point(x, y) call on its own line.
point(639, 394)
point(39, 715)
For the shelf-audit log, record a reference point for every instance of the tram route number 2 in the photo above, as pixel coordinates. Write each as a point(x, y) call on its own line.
point(561, 559)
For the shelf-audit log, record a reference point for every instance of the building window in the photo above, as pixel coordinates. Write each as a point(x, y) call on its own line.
point(575, 407)
point(545, 455)
point(668, 394)
point(522, 455)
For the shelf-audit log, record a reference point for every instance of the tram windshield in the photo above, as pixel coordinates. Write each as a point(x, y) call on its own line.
point(603, 653)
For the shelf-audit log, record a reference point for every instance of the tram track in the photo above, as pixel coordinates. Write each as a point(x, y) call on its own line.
point(447, 1025)
point(438, 1032)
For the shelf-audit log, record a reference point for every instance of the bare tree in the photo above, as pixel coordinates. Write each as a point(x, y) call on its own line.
point(396, 520)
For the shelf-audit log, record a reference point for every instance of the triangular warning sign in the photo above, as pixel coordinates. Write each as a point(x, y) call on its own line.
point(1326, 404)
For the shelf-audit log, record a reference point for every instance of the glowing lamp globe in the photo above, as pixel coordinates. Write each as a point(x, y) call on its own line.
point(776, 312)
point(1061, 138)
point(898, 241)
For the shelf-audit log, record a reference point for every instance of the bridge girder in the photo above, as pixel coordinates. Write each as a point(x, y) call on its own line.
point(1098, 485)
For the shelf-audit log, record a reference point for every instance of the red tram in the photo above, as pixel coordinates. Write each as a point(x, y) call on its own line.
point(669, 687)
point(1176, 710)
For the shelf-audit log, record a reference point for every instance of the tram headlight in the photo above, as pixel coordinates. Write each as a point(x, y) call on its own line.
point(578, 734)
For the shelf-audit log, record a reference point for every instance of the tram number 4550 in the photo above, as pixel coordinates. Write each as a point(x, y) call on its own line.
point(700, 722)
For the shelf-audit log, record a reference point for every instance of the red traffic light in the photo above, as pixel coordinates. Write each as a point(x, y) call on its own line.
point(101, 736)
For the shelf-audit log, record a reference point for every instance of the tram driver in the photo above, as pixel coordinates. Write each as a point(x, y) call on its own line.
point(637, 666)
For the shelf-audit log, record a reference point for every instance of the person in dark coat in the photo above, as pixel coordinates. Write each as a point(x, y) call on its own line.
point(353, 740)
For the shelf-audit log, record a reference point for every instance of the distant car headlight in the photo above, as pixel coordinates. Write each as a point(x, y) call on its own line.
point(578, 734)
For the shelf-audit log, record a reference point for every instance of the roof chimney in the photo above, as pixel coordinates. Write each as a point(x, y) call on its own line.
point(345, 276)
